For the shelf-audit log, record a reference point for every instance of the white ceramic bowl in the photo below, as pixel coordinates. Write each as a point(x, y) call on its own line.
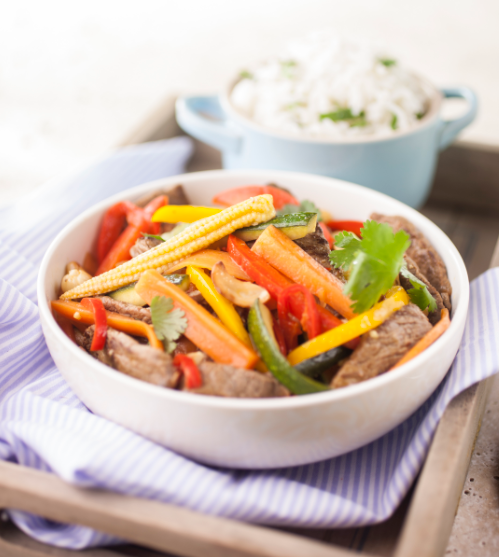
point(264, 433)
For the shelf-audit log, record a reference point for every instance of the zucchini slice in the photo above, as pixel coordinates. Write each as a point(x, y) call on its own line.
point(295, 226)
point(260, 329)
point(128, 295)
point(313, 367)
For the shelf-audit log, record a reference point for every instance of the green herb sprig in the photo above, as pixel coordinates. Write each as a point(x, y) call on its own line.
point(373, 262)
point(168, 323)
point(288, 68)
point(388, 62)
point(153, 236)
point(346, 115)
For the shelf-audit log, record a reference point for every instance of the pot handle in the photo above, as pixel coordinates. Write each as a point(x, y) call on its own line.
point(204, 119)
point(451, 128)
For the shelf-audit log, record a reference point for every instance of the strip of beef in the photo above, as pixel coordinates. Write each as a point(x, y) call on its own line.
point(434, 316)
point(125, 354)
point(423, 254)
point(128, 310)
point(176, 196)
point(142, 245)
point(228, 381)
point(383, 347)
point(316, 245)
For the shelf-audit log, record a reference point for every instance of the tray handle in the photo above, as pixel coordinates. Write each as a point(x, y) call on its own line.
point(149, 523)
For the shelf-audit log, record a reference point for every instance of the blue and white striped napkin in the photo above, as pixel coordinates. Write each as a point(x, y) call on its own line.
point(44, 425)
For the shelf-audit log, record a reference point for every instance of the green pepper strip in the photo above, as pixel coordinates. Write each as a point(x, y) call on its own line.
point(266, 345)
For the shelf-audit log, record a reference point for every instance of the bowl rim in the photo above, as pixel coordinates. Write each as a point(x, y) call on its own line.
point(428, 119)
point(261, 405)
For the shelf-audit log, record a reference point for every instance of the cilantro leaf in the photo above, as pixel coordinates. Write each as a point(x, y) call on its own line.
point(388, 62)
point(350, 246)
point(374, 262)
point(168, 323)
point(393, 123)
point(288, 68)
point(419, 294)
point(345, 114)
point(154, 236)
point(305, 206)
point(245, 74)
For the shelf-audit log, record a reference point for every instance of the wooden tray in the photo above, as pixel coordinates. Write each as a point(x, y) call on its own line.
point(419, 528)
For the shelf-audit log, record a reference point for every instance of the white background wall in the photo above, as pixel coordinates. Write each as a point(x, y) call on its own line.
point(75, 77)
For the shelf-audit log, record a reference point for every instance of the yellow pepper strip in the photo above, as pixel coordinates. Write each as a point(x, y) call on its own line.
point(183, 213)
point(396, 298)
point(221, 306)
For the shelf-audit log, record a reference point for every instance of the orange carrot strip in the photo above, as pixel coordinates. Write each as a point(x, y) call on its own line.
point(77, 313)
point(206, 332)
point(286, 256)
point(430, 337)
point(206, 259)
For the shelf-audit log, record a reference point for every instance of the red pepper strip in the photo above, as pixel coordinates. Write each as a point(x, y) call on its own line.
point(279, 336)
point(310, 320)
point(256, 267)
point(327, 234)
point(290, 326)
point(237, 195)
point(100, 334)
point(121, 249)
point(354, 226)
point(151, 208)
point(193, 379)
point(111, 227)
point(139, 221)
point(281, 197)
point(274, 282)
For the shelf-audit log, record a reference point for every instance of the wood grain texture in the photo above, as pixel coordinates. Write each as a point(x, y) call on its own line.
point(150, 523)
point(431, 514)
point(467, 177)
point(476, 526)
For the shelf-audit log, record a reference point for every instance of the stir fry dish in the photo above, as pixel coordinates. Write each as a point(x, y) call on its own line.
point(267, 296)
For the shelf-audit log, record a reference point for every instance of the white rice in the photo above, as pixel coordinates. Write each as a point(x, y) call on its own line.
point(324, 75)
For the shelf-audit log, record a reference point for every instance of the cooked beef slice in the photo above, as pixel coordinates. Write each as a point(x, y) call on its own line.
point(142, 245)
point(176, 196)
point(316, 245)
point(184, 346)
point(382, 348)
point(423, 254)
point(434, 317)
point(125, 354)
point(128, 310)
point(228, 381)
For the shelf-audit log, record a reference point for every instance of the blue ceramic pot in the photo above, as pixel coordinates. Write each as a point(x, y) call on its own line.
point(401, 165)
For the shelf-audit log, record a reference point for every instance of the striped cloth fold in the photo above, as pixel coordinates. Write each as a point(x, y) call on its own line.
point(45, 426)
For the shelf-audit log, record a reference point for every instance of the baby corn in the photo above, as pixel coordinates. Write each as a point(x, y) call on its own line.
point(197, 236)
